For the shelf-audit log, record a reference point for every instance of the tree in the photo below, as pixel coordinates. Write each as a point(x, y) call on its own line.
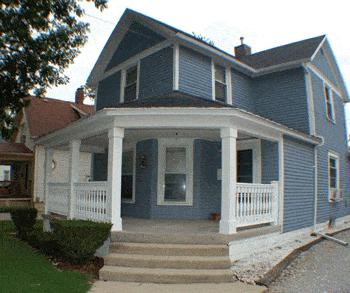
point(204, 39)
point(38, 40)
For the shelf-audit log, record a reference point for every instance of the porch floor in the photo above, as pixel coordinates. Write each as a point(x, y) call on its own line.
point(183, 232)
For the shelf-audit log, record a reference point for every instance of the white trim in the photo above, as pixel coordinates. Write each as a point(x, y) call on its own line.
point(123, 81)
point(281, 182)
point(254, 145)
point(212, 79)
point(316, 71)
point(176, 66)
point(229, 85)
point(310, 102)
point(318, 49)
point(162, 145)
point(330, 91)
point(133, 60)
point(335, 156)
point(315, 185)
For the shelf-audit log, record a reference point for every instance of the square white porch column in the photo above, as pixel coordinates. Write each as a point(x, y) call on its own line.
point(73, 174)
point(114, 177)
point(47, 176)
point(229, 178)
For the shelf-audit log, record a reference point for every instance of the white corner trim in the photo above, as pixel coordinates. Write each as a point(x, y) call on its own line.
point(180, 142)
point(310, 102)
point(229, 85)
point(212, 79)
point(176, 67)
point(281, 181)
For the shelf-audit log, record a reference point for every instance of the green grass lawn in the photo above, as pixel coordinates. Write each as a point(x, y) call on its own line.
point(22, 269)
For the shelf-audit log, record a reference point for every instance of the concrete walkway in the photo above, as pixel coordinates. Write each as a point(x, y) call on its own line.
point(126, 287)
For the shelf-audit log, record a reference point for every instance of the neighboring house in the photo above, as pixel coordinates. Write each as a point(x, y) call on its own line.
point(183, 130)
point(43, 116)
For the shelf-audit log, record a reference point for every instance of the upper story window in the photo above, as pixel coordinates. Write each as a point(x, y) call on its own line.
point(220, 83)
point(131, 84)
point(329, 103)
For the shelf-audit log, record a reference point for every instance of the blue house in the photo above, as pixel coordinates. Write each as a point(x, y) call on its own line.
point(183, 130)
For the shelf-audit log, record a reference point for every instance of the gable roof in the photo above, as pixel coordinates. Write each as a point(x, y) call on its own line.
point(45, 115)
point(302, 50)
point(280, 58)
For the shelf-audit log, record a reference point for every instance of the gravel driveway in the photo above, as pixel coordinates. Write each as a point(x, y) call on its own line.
point(325, 267)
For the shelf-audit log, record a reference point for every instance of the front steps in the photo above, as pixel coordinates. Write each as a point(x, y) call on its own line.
point(167, 263)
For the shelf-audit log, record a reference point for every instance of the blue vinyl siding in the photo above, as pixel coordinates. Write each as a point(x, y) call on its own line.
point(242, 93)
point(108, 93)
point(137, 39)
point(299, 179)
point(281, 97)
point(195, 74)
point(156, 73)
point(321, 62)
point(335, 141)
point(269, 161)
point(100, 162)
point(207, 187)
point(146, 181)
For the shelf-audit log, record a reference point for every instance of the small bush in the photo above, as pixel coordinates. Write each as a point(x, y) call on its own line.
point(24, 219)
point(79, 239)
point(45, 241)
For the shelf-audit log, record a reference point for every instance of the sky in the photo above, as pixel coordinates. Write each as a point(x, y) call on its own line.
point(263, 24)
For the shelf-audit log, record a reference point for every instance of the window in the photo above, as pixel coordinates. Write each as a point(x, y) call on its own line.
point(329, 103)
point(6, 175)
point(130, 87)
point(128, 176)
point(175, 176)
point(333, 171)
point(245, 166)
point(220, 83)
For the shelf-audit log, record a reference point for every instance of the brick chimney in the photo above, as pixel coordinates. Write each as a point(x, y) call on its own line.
point(242, 50)
point(79, 96)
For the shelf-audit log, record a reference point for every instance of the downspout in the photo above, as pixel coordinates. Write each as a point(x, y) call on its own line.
point(315, 183)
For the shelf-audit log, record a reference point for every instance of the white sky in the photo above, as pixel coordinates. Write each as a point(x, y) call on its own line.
point(263, 24)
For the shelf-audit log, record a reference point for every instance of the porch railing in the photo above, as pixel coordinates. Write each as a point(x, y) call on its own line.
point(256, 203)
point(89, 202)
point(58, 198)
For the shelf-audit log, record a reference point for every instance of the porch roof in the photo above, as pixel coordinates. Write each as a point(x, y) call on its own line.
point(152, 114)
point(15, 151)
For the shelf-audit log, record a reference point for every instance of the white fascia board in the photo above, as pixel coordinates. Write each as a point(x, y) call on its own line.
point(214, 118)
point(280, 67)
point(317, 49)
point(214, 53)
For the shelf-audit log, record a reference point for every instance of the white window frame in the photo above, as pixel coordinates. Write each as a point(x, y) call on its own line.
point(331, 101)
point(255, 146)
point(336, 157)
point(162, 145)
point(227, 82)
point(123, 81)
point(126, 150)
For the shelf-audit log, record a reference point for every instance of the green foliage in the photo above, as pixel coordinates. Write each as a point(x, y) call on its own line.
point(79, 239)
point(45, 241)
point(24, 219)
point(204, 39)
point(38, 41)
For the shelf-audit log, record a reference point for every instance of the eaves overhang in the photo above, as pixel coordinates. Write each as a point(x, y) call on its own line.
point(201, 118)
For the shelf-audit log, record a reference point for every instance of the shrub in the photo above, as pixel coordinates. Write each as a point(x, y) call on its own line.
point(79, 239)
point(24, 219)
point(45, 241)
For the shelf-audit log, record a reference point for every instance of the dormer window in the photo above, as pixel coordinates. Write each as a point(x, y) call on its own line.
point(220, 83)
point(130, 87)
point(329, 103)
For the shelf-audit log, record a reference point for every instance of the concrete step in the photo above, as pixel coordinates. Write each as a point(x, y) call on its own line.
point(169, 249)
point(165, 276)
point(168, 261)
point(170, 238)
